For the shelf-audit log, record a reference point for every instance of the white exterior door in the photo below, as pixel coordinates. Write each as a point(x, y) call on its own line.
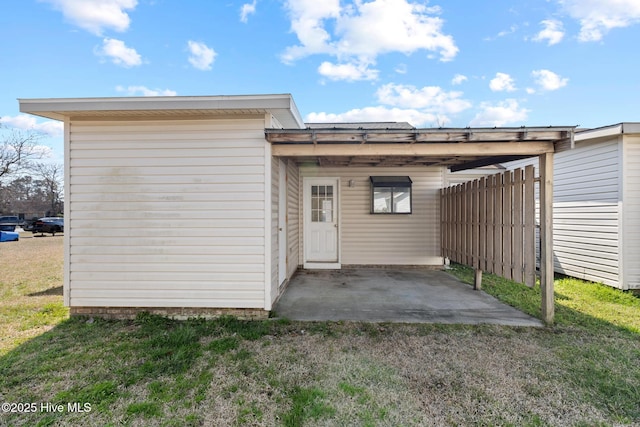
point(321, 222)
point(282, 224)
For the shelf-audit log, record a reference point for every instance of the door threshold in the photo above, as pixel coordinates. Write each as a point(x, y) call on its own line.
point(322, 266)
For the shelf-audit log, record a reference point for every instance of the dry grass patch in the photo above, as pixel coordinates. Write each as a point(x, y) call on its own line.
point(30, 288)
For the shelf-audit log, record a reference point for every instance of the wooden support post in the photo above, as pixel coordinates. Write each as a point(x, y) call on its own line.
point(546, 236)
point(477, 279)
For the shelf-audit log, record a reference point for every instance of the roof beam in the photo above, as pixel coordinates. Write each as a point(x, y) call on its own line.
point(485, 149)
point(301, 136)
point(487, 161)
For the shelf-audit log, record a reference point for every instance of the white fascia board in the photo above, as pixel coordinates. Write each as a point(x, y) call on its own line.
point(281, 106)
point(631, 127)
point(602, 132)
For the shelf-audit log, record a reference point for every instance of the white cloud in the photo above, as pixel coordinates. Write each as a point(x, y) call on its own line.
point(96, 16)
point(348, 72)
point(500, 114)
point(119, 53)
point(502, 82)
point(246, 10)
point(145, 91)
point(202, 56)
point(548, 80)
point(25, 122)
point(552, 33)
point(597, 17)
point(512, 29)
point(432, 99)
point(424, 106)
point(360, 32)
point(459, 79)
point(401, 69)
point(376, 114)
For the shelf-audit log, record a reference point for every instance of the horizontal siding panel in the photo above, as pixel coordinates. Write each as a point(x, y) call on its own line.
point(92, 285)
point(160, 240)
point(159, 218)
point(609, 243)
point(607, 255)
point(180, 143)
point(163, 153)
point(178, 294)
point(172, 162)
point(162, 258)
point(143, 171)
point(166, 196)
point(212, 189)
point(165, 276)
point(188, 267)
point(178, 126)
point(206, 226)
point(586, 263)
point(163, 206)
point(126, 233)
point(101, 247)
point(188, 180)
point(610, 279)
point(125, 301)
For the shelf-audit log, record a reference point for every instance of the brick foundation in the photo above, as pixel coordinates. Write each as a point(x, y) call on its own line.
point(179, 313)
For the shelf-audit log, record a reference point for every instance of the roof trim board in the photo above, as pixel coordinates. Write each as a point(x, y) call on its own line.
point(281, 106)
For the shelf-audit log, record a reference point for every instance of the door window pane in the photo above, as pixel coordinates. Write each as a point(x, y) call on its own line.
point(322, 203)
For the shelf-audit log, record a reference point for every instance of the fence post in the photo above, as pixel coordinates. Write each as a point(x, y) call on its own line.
point(546, 236)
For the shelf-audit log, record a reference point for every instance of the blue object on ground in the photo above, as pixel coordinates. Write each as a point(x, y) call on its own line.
point(9, 236)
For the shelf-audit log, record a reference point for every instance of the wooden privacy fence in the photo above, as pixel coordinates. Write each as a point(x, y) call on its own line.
point(489, 224)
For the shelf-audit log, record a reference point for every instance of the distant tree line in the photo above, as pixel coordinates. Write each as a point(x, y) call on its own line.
point(29, 187)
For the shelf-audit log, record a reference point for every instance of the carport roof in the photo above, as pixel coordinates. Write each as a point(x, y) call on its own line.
point(456, 148)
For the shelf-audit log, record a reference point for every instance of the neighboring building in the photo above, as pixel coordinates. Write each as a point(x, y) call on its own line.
point(597, 206)
point(207, 205)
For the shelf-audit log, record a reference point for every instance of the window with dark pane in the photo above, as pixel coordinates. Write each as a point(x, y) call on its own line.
point(390, 194)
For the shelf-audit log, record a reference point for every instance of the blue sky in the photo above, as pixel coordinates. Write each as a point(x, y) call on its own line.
point(438, 63)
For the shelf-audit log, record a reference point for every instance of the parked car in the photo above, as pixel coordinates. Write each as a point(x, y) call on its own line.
point(51, 225)
point(9, 223)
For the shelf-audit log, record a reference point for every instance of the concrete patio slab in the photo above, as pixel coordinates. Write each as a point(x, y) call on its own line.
point(392, 295)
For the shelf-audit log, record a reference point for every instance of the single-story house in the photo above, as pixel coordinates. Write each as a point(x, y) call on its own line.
point(208, 205)
point(596, 211)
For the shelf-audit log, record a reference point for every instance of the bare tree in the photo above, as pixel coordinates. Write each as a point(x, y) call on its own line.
point(51, 175)
point(17, 150)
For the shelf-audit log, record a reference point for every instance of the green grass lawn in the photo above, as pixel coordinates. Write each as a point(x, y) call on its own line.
point(583, 371)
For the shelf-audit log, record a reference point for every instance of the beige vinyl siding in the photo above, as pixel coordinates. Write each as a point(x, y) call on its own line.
point(631, 214)
point(585, 210)
point(294, 228)
point(275, 215)
point(167, 213)
point(385, 239)
point(455, 178)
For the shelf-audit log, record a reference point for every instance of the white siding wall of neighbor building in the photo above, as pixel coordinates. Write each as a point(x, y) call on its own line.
point(586, 210)
point(369, 239)
point(631, 213)
point(167, 213)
